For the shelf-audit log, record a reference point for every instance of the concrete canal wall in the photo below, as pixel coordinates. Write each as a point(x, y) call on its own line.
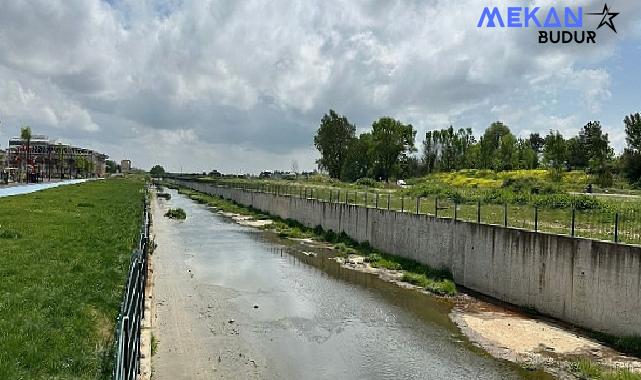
point(593, 284)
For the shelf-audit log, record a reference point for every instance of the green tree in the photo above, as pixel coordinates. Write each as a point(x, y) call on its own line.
point(599, 152)
point(82, 165)
point(111, 166)
point(157, 171)
point(430, 152)
point(332, 140)
point(577, 154)
point(446, 149)
point(555, 151)
point(633, 132)
point(527, 156)
point(491, 143)
point(537, 143)
point(60, 151)
point(392, 141)
point(25, 135)
point(507, 154)
point(631, 158)
point(358, 162)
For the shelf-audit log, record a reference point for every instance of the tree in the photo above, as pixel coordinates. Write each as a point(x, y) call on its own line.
point(111, 166)
point(527, 156)
point(60, 151)
point(25, 135)
point(631, 158)
point(555, 151)
point(392, 140)
point(537, 143)
point(332, 140)
point(358, 162)
point(577, 154)
point(82, 165)
point(507, 154)
point(598, 151)
point(430, 151)
point(447, 149)
point(157, 171)
point(633, 132)
point(490, 144)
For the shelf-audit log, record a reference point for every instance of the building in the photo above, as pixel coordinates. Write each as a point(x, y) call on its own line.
point(50, 159)
point(125, 166)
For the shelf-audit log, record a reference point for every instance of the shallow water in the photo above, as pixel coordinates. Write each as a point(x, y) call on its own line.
point(33, 187)
point(317, 320)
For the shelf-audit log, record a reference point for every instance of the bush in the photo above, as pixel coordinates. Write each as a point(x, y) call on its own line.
point(585, 202)
point(164, 196)
point(367, 182)
point(176, 213)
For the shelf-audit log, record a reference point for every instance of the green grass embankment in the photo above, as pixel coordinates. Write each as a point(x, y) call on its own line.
point(64, 256)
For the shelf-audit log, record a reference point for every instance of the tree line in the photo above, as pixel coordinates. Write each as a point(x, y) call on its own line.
point(388, 150)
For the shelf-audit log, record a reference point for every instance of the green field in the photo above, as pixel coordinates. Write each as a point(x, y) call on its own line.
point(64, 254)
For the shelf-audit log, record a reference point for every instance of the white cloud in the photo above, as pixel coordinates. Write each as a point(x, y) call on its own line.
point(228, 78)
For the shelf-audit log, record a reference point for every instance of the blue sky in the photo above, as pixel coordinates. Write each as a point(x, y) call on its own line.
point(240, 86)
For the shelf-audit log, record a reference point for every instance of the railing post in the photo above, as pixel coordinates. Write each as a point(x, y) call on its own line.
point(418, 205)
point(536, 219)
point(388, 201)
point(455, 211)
point(573, 220)
point(346, 197)
point(505, 214)
point(331, 192)
point(311, 193)
point(436, 207)
point(403, 203)
point(366, 198)
point(616, 227)
point(376, 204)
point(478, 211)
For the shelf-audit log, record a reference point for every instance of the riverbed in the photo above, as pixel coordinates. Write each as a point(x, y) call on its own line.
point(236, 302)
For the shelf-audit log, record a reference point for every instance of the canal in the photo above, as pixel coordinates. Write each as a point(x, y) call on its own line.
point(235, 302)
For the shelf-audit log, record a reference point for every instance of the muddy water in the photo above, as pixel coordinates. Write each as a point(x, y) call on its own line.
point(316, 320)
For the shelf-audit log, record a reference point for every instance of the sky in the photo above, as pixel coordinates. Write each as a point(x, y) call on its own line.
point(241, 85)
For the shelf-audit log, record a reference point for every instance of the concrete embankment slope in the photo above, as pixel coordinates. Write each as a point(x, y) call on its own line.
point(593, 284)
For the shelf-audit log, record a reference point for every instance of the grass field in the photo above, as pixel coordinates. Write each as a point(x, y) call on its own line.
point(64, 254)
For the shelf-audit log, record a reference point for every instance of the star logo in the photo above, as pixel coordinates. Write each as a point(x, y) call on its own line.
point(607, 18)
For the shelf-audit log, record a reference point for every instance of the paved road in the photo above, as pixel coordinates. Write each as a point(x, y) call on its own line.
point(17, 189)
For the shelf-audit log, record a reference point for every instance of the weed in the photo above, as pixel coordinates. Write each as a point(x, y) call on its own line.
point(176, 213)
point(154, 345)
point(586, 369)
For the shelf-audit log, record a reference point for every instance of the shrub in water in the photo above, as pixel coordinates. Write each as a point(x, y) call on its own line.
point(164, 195)
point(176, 213)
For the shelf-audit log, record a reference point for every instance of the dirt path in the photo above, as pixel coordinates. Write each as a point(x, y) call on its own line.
point(195, 337)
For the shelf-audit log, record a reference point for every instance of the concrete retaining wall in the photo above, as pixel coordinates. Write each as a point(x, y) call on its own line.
point(593, 284)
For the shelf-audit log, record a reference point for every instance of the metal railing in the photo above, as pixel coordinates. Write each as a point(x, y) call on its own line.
point(132, 309)
point(620, 226)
